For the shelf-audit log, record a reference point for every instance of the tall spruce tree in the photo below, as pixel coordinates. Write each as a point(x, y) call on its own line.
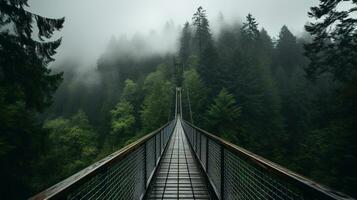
point(208, 66)
point(250, 30)
point(261, 121)
point(203, 37)
point(26, 87)
point(223, 114)
point(334, 37)
point(185, 44)
point(333, 52)
point(287, 51)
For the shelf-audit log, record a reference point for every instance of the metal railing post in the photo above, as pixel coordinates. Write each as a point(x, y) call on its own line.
point(145, 171)
point(222, 172)
point(196, 141)
point(155, 148)
point(160, 143)
point(200, 146)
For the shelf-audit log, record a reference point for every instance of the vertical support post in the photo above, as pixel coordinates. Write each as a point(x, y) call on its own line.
point(145, 172)
point(155, 148)
point(195, 141)
point(200, 147)
point(176, 105)
point(207, 153)
point(160, 142)
point(180, 104)
point(222, 172)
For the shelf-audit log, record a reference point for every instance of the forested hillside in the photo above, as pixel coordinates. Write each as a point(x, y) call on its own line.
point(267, 96)
point(291, 99)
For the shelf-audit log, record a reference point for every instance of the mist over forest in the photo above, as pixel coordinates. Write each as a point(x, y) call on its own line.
point(271, 77)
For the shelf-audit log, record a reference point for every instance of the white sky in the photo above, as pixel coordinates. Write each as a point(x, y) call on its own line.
point(90, 23)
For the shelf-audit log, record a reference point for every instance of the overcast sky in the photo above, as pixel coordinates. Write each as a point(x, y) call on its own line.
point(90, 23)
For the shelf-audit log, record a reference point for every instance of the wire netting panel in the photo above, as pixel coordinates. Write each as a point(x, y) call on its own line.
point(198, 145)
point(157, 146)
point(161, 141)
point(214, 164)
point(194, 139)
point(243, 180)
point(233, 176)
point(124, 180)
point(165, 135)
point(150, 157)
point(203, 150)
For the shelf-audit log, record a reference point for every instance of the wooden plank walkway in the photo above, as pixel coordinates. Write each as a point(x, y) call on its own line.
point(178, 176)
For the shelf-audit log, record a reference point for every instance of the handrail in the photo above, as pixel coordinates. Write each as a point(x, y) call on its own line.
point(301, 186)
point(150, 145)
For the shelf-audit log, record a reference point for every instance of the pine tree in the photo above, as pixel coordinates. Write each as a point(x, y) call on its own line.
point(203, 36)
point(334, 37)
point(250, 29)
point(122, 122)
point(156, 106)
point(333, 53)
point(287, 51)
point(22, 55)
point(72, 139)
point(194, 91)
point(208, 66)
point(185, 44)
point(223, 115)
point(26, 87)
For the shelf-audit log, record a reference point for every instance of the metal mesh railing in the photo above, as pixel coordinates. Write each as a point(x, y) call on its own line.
point(122, 175)
point(237, 174)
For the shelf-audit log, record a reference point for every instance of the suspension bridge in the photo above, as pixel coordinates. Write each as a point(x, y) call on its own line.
point(182, 161)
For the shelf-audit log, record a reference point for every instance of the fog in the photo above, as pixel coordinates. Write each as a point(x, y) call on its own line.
point(90, 24)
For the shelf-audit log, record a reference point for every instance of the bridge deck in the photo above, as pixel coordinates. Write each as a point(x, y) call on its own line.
point(178, 176)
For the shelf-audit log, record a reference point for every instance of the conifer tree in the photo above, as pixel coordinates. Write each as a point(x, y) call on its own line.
point(287, 51)
point(223, 115)
point(208, 66)
point(334, 37)
point(203, 36)
point(185, 44)
point(250, 29)
point(333, 53)
point(26, 87)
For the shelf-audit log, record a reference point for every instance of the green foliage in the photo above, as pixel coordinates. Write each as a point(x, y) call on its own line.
point(333, 53)
point(158, 99)
point(195, 91)
point(270, 109)
point(202, 36)
point(208, 65)
point(130, 91)
point(334, 37)
point(250, 29)
point(223, 115)
point(26, 88)
point(288, 52)
point(122, 122)
point(72, 145)
point(185, 43)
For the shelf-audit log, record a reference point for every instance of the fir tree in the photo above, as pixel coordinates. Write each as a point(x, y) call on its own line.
point(250, 28)
point(185, 44)
point(203, 36)
point(223, 115)
point(208, 66)
point(287, 51)
point(334, 37)
point(26, 87)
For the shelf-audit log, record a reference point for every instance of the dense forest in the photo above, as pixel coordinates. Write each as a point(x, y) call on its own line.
point(292, 99)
